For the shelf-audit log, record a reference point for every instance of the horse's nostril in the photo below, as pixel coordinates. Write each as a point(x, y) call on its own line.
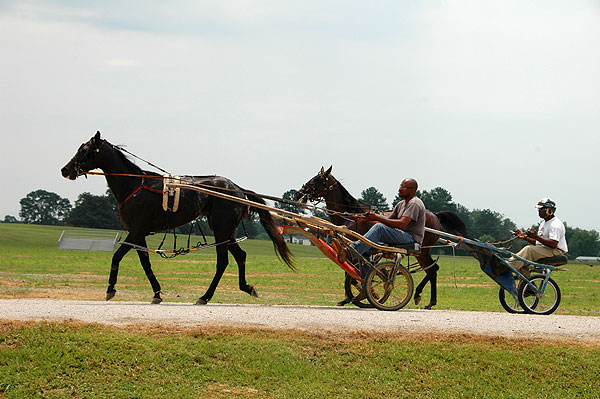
point(65, 172)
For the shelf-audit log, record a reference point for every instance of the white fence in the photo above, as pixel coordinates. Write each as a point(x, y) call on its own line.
point(88, 240)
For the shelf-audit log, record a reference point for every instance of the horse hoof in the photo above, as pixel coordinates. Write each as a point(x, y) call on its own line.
point(417, 300)
point(201, 301)
point(343, 302)
point(254, 293)
point(429, 306)
point(156, 301)
point(110, 295)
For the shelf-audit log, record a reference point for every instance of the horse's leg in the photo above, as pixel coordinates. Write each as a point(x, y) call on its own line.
point(222, 262)
point(420, 287)
point(346, 299)
point(114, 268)
point(240, 257)
point(145, 261)
point(432, 274)
point(431, 269)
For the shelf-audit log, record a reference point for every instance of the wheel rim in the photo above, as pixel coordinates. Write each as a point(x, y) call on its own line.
point(508, 302)
point(386, 295)
point(540, 304)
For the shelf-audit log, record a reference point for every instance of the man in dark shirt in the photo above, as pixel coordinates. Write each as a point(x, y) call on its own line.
point(406, 224)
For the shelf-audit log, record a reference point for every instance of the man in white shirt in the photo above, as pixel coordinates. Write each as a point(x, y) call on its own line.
point(548, 241)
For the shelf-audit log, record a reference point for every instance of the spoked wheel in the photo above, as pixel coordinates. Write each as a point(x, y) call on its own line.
point(352, 288)
point(385, 295)
point(508, 302)
point(545, 303)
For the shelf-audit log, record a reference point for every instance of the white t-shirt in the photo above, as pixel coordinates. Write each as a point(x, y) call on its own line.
point(555, 230)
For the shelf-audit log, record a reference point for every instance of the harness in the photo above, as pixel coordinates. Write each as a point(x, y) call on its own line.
point(141, 187)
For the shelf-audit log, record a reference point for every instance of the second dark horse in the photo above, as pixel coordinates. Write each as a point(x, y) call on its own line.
point(338, 199)
point(140, 197)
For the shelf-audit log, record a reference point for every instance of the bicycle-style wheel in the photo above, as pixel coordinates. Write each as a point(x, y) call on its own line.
point(385, 294)
point(352, 288)
point(536, 303)
point(508, 302)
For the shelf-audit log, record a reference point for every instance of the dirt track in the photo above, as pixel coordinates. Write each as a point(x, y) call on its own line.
point(308, 318)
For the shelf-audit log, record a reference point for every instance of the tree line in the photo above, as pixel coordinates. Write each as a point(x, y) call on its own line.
point(101, 211)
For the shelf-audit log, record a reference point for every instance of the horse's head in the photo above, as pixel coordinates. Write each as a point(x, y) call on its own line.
point(85, 159)
point(316, 188)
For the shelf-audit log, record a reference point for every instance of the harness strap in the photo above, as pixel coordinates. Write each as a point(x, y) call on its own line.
point(137, 190)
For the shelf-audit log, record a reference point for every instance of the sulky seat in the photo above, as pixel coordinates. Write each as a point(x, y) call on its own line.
point(557, 260)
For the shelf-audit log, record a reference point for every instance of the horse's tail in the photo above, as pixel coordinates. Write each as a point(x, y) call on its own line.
point(281, 248)
point(451, 223)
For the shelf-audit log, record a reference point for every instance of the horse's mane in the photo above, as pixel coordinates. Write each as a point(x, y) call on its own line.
point(349, 201)
point(125, 159)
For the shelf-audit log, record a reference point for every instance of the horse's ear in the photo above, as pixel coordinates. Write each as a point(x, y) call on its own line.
point(322, 170)
point(328, 171)
point(96, 138)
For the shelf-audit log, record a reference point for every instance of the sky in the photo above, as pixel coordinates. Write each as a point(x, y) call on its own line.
point(498, 102)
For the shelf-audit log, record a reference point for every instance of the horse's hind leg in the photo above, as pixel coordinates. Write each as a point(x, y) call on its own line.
point(431, 269)
point(145, 261)
point(222, 262)
point(420, 287)
point(114, 268)
point(240, 257)
point(432, 274)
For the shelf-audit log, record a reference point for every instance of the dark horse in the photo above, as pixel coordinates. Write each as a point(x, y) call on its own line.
point(338, 199)
point(140, 197)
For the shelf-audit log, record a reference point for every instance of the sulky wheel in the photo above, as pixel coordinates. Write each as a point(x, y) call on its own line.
point(385, 294)
point(508, 302)
point(545, 303)
point(352, 288)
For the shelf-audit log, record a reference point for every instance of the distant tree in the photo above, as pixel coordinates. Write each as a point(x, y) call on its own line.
point(320, 214)
point(10, 219)
point(582, 242)
point(438, 199)
point(490, 223)
point(398, 199)
point(44, 207)
point(252, 228)
point(95, 211)
point(373, 197)
point(290, 196)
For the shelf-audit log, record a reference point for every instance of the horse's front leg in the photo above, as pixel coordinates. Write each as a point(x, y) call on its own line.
point(222, 262)
point(114, 268)
point(145, 261)
point(240, 258)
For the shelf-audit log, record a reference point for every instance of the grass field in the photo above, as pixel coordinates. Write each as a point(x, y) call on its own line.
point(60, 360)
point(31, 265)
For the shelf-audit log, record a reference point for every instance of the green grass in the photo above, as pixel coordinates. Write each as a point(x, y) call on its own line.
point(31, 265)
point(59, 360)
point(73, 360)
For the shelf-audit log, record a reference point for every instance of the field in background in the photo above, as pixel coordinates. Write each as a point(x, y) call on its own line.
point(66, 360)
point(31, 265)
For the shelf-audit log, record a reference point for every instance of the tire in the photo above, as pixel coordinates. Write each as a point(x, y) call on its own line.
point(510, 304)
point(383, 296)
point(352, 288)
point(545, 304)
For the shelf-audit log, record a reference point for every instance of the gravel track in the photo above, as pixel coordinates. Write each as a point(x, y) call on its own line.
point(324, 319)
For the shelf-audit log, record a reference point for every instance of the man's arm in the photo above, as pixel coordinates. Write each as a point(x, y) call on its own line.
point(532, 237)
point(373, 218)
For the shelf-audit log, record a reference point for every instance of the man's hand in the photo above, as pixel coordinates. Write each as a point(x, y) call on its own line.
point(519, 233)
point(364, 217)
point(531, 233)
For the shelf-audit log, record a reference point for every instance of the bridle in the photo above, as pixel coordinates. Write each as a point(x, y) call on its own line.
point(316, 192)
point(79, 158)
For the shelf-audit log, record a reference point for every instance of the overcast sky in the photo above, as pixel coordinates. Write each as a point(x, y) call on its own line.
point(498, 102)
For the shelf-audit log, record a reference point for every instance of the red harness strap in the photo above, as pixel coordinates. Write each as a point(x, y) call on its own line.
point(137, 190)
